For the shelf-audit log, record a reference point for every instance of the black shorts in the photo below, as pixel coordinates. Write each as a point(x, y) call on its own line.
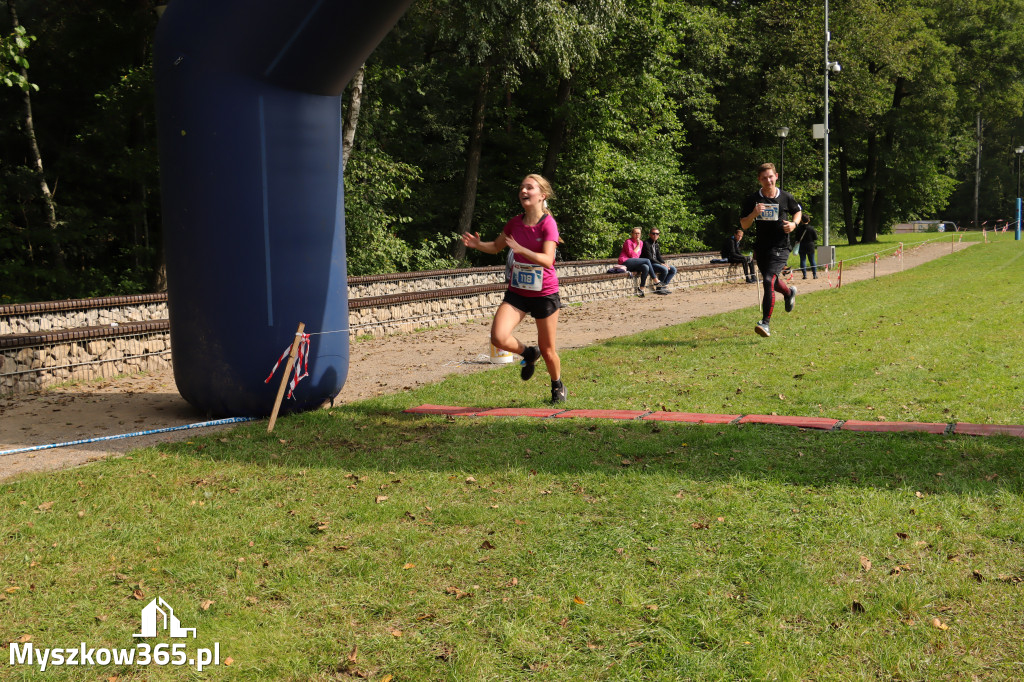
point(771, 261)
point(537, 306)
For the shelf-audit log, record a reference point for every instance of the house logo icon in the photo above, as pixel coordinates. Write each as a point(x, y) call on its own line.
point(158, 614)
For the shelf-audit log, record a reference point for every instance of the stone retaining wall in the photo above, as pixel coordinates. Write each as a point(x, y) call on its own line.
point(32, 318)
point(35, 367)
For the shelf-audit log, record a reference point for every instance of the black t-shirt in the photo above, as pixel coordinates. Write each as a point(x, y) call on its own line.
point(769, 224)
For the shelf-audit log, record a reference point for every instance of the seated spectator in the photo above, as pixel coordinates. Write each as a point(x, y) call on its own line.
point(731, 252)
point(652, 251)
point(630, 257)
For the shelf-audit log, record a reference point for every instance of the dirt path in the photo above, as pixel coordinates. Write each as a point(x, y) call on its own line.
point(148, 402)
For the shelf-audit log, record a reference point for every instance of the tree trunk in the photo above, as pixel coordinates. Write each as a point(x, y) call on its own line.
point(870, 194)
point(355, 101)
point(977, 167)
point(37, 159)
point(846, 195)
point(556, 137)
point(473, 154)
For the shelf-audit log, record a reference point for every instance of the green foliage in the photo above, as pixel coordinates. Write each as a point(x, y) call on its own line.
point(13, 64)
point(642, 113)
point(374, 183)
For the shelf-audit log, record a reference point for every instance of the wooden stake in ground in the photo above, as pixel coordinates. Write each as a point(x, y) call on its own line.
point(284, 379)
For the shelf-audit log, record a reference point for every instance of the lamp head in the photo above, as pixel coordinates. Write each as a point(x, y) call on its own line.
point(782, 132)
point(1019, 150)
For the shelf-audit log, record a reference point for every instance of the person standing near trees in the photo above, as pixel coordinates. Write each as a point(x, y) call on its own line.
point(776, 213)
point(806, 240)
point(533, 288)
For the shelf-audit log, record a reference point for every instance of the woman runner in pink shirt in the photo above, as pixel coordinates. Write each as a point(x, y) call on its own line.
point(533, 288)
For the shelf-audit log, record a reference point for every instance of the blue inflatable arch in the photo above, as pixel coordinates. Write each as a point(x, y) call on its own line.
point(249, 121)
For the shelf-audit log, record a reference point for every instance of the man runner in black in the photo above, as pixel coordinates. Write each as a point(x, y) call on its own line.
point(776, 214)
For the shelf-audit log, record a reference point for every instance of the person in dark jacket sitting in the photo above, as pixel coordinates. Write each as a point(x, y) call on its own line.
point(651, 250)
point(731, 253)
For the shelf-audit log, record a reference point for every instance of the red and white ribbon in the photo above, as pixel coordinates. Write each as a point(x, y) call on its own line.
point(301, 364)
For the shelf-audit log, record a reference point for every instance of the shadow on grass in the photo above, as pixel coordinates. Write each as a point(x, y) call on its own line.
point(371, 436)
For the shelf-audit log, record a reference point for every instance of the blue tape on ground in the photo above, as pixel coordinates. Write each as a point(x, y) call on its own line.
point(197, 425)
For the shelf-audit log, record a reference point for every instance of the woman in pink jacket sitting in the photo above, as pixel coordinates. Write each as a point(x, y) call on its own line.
point(630, 257)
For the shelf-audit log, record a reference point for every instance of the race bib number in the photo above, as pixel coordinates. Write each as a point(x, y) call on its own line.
point(527, 276)
point(770, 212)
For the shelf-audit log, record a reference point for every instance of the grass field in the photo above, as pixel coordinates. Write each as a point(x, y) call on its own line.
point(361, 542)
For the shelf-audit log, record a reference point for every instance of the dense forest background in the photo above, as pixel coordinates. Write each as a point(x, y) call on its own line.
point(641, 112)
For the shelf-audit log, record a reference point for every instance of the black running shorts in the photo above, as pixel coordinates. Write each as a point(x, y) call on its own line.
point(537, 306)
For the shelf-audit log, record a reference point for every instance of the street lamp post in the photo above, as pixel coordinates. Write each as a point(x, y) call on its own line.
point(782, 133)
point(829, 66)
point(1016, 233)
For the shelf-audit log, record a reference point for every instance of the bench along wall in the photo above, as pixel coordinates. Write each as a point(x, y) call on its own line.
point(43, 344)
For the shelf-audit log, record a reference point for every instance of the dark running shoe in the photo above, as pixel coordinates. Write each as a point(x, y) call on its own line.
point(762, 328)
point(639, 292)
point(559, 394)
point(529, 363)
point(791, 299)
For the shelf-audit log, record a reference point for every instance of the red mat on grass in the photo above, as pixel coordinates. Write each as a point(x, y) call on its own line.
point(988, 430)
point(700, 418)
point(691, 417)
point(893, 427)
point(779, 420)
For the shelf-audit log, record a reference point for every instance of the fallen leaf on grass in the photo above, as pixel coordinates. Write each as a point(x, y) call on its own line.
point(380, 498)
point(228, 660)
point(45, 506)
point(470, 479)
point(24, 638)
point(486, 545)
point(857, 607)
point(865, 563)
point(353, 654)
point(396, 633)
point(578, 600)
point(206, 604)
point(408, 566)
point(938, 624)
point(696, 525)
point(978, 576)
